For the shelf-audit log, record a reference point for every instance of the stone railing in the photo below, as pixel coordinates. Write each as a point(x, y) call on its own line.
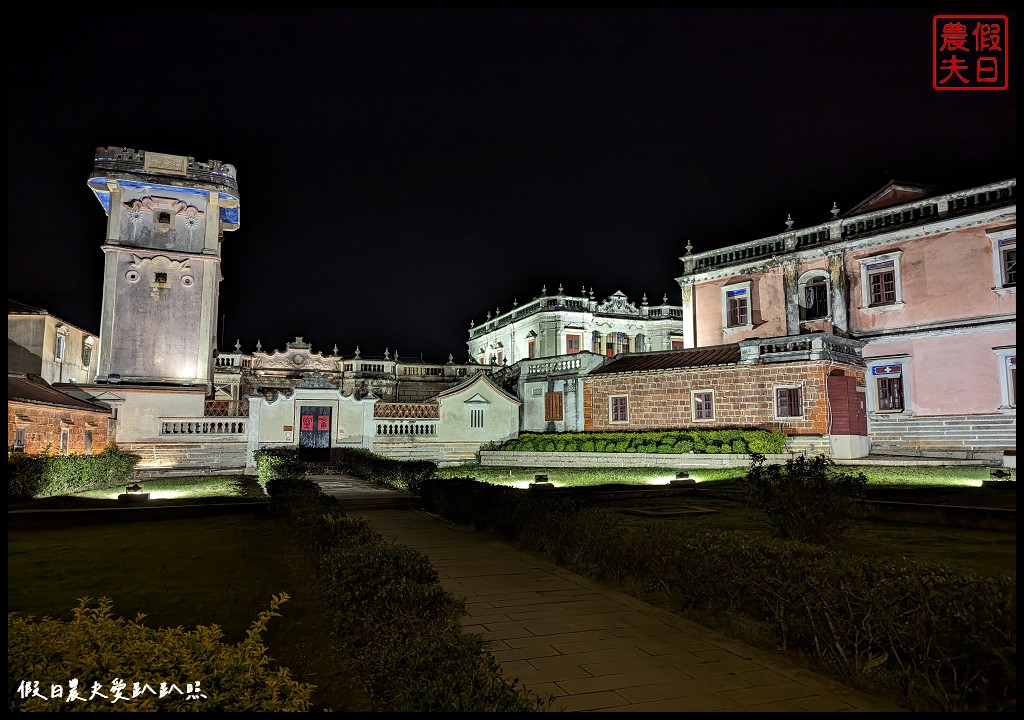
point(190, 427)
point(569, 364)
point(407, 430)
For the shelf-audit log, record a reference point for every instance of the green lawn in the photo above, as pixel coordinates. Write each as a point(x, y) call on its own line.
point(583, 477)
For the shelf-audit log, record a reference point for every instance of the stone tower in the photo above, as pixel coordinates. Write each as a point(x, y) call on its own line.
point(166, 219)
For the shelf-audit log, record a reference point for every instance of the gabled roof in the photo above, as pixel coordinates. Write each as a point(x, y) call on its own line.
point(470, 382)
point(892, 193)
point(671, 359)
point(22, 387)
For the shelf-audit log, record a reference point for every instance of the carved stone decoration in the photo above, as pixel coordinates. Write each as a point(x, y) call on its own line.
point(140, 263)
point(238, 345)
point(618, 304)
point(316, 381)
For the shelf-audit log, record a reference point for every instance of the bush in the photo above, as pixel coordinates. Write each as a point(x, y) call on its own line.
point(806, 499)
point(95, 647)
point(45, 475)
point(278, 463)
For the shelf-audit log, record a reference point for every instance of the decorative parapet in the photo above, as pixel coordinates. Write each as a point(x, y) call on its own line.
point(142, 161)
point(862, 225)
point(569, 364)
point(193, 427)
point(816, 346)
point(406, 410)
point(407, 430)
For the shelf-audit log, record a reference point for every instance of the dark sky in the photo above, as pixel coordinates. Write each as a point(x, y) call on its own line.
point(402, 172)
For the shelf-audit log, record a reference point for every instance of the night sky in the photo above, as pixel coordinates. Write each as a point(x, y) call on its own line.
point(402, 172)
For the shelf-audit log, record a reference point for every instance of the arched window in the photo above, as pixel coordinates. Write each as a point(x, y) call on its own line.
point(813, 289)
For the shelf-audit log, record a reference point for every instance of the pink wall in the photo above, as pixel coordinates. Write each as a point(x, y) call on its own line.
point(952, 374)
point(944, 277)
point(768, 308)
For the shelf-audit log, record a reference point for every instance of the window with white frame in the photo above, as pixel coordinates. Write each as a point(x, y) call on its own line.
point(789, 401)
point(880, 281)
point(60, 347)
point(813, 289)
point(702, 404)
point(618, 409)
point(736, 306)
point(1007, 358)
point(87, 352)
point(1004, 259)
point(887, 384)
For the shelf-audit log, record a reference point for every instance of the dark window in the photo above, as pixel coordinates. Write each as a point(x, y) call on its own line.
point(19, 439)
point(532, 349)
point(738, 315)
point(788, 402)
point(704, 405)
point(620, 409)
point(88, 442)
point(65, 441)
point(890, 393)
point(552, 406)
point(882, 287)
point(816, 299)
point(164, 218)
point(86, 356)
point(1010, 267)
point(160, 278)
point(476, 418)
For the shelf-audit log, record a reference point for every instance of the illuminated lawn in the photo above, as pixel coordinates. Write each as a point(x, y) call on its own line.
point(583, 477)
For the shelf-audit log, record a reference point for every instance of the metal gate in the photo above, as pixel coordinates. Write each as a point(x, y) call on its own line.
point(315, 434)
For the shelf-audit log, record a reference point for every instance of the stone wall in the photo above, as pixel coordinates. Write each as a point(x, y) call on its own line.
point(443, 453)
point(188, 458)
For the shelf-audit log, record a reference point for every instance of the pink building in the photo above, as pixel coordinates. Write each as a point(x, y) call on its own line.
point(927, 281)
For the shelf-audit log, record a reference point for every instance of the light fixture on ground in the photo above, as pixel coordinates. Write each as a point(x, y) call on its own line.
point(133, 493)
point(682, 479)
point(540, 482)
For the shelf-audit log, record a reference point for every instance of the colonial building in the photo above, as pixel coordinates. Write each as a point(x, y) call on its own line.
point(926, 281)
point(46, 346)
point(565, 324)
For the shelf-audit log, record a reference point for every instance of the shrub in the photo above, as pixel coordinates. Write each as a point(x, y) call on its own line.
point(806, 499)
point(45, 475)
point(95, 647)
point(587, 446)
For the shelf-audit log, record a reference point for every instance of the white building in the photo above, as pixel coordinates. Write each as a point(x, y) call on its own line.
point(562, 324)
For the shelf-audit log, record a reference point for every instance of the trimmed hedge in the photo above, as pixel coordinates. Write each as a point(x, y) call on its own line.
point(391, 617)
point(738, 441)
point(38, 476)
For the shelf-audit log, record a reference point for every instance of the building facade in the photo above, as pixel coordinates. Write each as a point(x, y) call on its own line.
point(809, 387)
point(565, 324)
point(926, 281)
point(41, 344)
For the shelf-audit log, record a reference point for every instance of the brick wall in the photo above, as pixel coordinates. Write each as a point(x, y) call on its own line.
point(43, 425)
point(744, 397)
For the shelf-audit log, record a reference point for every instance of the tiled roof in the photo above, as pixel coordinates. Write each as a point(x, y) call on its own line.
point(33, 389)
point(670, 359)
